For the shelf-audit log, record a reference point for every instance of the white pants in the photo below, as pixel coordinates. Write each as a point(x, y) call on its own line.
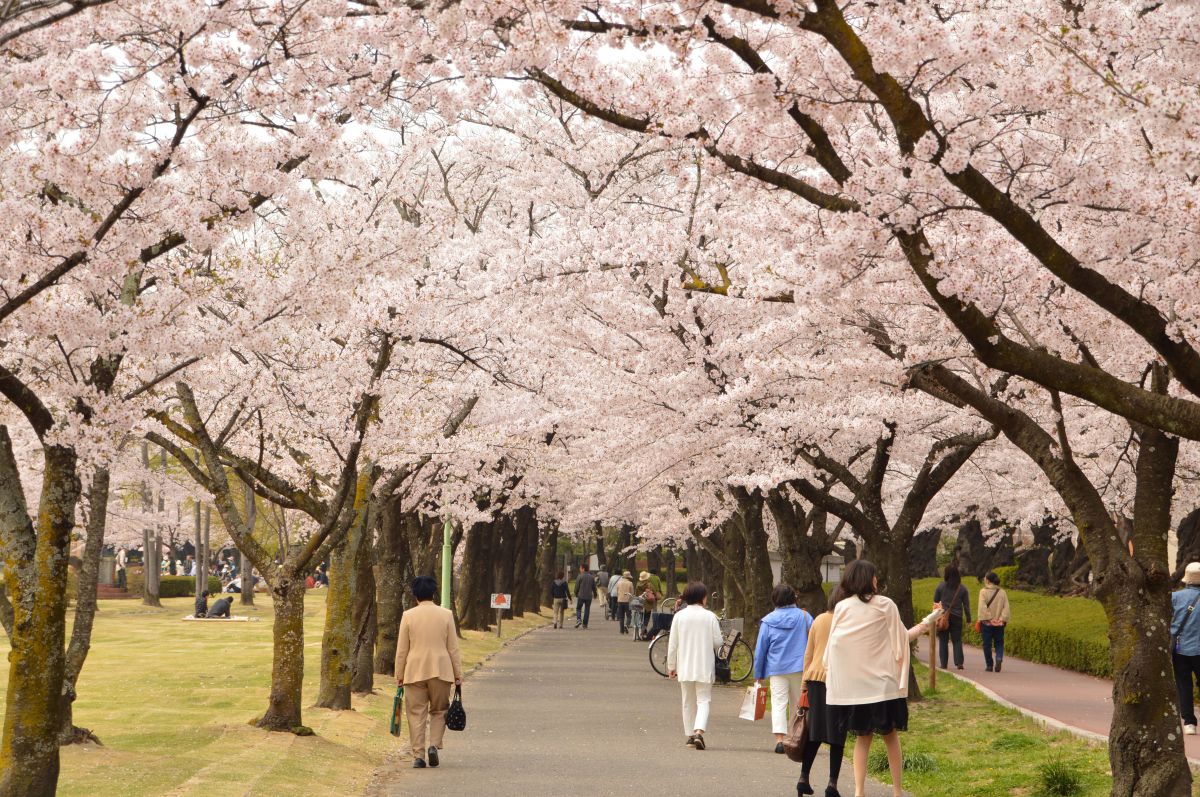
point(785, 692)
point(697, 695)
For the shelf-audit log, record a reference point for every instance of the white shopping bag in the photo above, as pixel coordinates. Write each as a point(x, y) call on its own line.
point(754, 704)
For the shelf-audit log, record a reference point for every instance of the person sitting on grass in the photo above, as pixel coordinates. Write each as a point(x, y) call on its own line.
point(220, 608)
point(201, 605)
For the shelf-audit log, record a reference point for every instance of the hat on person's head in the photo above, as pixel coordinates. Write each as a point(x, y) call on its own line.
point(643, 576)
point(1191, 574)
point(626, 574)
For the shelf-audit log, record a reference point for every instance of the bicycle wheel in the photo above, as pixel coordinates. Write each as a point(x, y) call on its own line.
point(741, 661)
point(658, 654)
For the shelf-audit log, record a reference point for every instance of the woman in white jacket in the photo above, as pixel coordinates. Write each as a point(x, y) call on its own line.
point(691, 658)
point(867, 659)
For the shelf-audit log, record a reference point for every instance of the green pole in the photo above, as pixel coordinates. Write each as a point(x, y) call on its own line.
point(447, 554)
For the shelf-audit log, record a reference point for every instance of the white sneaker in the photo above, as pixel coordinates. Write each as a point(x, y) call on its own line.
point(1189, 730)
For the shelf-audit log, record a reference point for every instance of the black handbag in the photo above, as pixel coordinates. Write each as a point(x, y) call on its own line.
point(724, 672)
point(456, 715)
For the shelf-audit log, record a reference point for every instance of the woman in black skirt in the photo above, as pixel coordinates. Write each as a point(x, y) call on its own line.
point(866, 662)
point(820, 726)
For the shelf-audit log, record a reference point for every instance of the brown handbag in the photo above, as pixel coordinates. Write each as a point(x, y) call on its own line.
point(943, 622)
point(797, 736)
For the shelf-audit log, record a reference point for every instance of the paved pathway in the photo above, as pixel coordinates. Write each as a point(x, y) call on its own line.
point(1067, 699)
point(580, 712)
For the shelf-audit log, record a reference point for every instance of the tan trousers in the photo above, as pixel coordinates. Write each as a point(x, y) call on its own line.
point(427, 703)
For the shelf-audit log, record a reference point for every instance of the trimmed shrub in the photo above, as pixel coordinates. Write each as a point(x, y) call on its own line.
point(168, 586)
point(1071, 633)
point(1008, 576)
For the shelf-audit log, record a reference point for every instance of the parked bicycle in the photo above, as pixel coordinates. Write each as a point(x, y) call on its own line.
point(735, 649)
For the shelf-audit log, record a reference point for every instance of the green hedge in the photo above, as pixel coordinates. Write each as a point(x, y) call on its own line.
point(1008, 576)
point(168, 586)
point(1071, 633)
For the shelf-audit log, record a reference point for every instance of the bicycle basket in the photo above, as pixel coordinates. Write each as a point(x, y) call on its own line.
point(733, 624)
point(637, 604)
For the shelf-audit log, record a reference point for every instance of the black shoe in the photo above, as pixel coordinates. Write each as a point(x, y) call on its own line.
point(699, 742)
point(831, 791)
point(987, 668)
point(433, 757)
point(779, 747)
point(958, 666)
point(802, 787)
point(419, 763)
point(691, 741)
point(997, 665)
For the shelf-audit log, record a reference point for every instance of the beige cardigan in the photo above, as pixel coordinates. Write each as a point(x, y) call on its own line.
point(814, 653)
point(428, 646)
point(999, 608)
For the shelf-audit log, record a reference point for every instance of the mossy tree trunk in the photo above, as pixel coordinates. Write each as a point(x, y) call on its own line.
point(476, 578)
point(287, 655)
point(35, 551)
point(85, 606)
point(548, 567)
point(362, 679)
point(390, 584)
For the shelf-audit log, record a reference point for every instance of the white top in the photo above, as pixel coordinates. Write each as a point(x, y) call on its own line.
point(867, 654)
point(692, 646)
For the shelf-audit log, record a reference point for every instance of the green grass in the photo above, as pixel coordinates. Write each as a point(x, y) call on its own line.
point(1071, 633)
point(172, 702)
point(960, 744)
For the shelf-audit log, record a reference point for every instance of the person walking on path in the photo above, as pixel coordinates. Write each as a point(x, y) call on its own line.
point(691, 659)
point(624, 594)
point(602, 577)
point(821, 729)
point(428, 664)
point(779, 656)
point(866, 664)
point(954, 597)
point(585, 590)
point(649, 588)
point(992, 617)
point(560, 593)
point(612, 595)
point(1185, 636)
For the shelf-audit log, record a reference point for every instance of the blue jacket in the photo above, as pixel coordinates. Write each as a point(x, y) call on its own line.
point(1189, 643)
point(782, 637)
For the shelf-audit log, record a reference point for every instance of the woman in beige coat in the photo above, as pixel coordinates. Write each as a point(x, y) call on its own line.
point(428, 666)
point(993, 617)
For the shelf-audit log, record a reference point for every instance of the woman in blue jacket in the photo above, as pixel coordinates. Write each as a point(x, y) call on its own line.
point(779, 656)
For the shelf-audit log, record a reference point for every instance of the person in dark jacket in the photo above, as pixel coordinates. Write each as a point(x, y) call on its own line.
point(220, 608)
point(585, 590)
point(560, 593)
point(201, 605)
point(953, 596)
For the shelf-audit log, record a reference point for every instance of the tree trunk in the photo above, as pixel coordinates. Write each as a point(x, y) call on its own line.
point(506, 557)
point(803, 543)
point(362, 680)
point(246, 569)
point(672, 585)
point(549, 563)
point(598, 530)
point(338, 644)
point(36, 577)
point(759, 576)
point(390, 585)
point(476, 586)
point(526, 595)
point(922, 553)
point(287, 664)
point(150, 569)
point(1188, 539)
point(85, 607)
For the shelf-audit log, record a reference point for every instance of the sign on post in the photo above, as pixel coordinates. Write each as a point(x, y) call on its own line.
point(500, 602)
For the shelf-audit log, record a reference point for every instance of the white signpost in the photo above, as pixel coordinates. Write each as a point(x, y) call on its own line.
point(500, 602)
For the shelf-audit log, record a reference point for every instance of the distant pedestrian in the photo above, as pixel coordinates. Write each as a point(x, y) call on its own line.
point(428, 664)
point(779, 656)
point(624, 593)
point(866, 664)
point(649, 589)
point(190, 567)
point(992, 618)
point(201, 608)
point(612, 595)
point(1185, 647)
point(602, 577)
point(954, 597)
point(821, 728)
point(692, 660)
point(585, 590)
point(220, 609)
point(560, 593)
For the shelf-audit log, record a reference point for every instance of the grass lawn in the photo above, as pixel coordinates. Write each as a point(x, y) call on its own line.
point(172, 702)
point(1071, 633)
point(972, 747)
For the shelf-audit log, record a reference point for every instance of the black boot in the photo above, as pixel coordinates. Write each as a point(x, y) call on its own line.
point(802, 787)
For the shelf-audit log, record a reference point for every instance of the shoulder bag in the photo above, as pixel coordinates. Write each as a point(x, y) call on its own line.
point(456, 715)
point(1190, 611)
point(943, 622)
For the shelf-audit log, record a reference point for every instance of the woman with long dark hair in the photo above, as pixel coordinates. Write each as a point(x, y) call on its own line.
point(867, 662)
point(954, 597)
